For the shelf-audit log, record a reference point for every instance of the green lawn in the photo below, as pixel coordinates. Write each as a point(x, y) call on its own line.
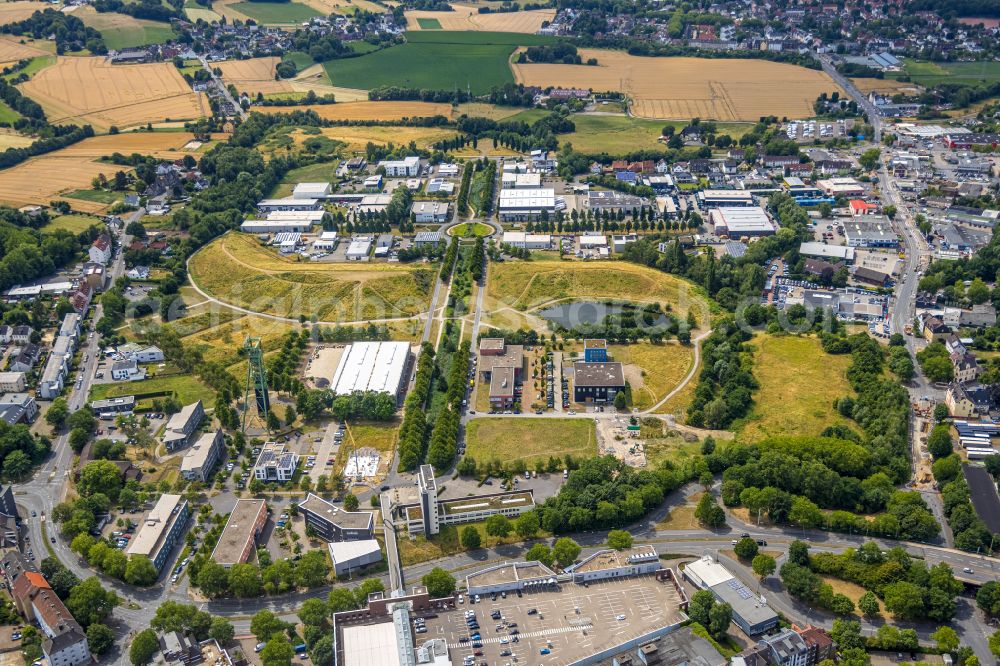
point(798, 384)
point(195, 12)
point(300, 59)
point(529, 439)
point(122, 34)
point(474, 229)
point(429, 23)
point(36, 64)
point(617, 135)
point(530, 116)
point(314, 173)
point(7, 114)
point(931, 73)
point(435, 60)
point(99, 196)
point(72, 223)
point(270, 13)
point(187, 389)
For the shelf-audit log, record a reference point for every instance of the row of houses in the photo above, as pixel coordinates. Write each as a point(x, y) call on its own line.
point(60, 358)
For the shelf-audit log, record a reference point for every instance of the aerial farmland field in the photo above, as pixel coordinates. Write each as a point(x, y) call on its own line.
point(465, 17)
point(121, 31)
point(682, 88)
point(385, 111)
point(11, 12)
point(436, 60)
point(90, 90)
point(253, 76)
point(237, 270)
point(42, 179)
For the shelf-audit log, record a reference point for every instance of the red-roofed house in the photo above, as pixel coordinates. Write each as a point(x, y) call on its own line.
point(859, 207)
point(100, 250)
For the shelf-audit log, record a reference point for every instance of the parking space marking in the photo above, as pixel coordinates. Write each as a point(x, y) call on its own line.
point(528, 634)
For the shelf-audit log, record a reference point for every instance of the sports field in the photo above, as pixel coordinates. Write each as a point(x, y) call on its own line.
point(529, 440)
point(720, 89)
point(524, 286)
point(42, 179)
point(12, 12)
point(465, 17)
point(121, 31)
point(90, 90)
point(236, 269)
point(436, 60)
point(386, 111)
point(798, 384)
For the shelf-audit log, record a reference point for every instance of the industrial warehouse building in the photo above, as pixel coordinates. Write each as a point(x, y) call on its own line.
point(870, 231)
point(750, 613)
point(332, 524)
point(525, 241)
point(429, 211)
point(739, 222)
point(526, 204)
point(372, 366)
point(725, 198)
point(239, 537)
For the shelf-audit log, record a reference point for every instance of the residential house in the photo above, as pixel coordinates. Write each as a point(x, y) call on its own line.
point(965, 367)
point(203, 456)
point(935, 329)
point(100, 250)
point(11, 382)
point(25, 359)
point(126, 371)
point(17, 408)
point(21, 335)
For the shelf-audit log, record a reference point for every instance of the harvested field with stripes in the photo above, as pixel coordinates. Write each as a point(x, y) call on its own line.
point(681, 88)
point(42, 179)
point(253, 76)
point(375, 110)
point(90, 90)
point(162, 145)
point(465, 17)
point(11, 50)
point(12, 12)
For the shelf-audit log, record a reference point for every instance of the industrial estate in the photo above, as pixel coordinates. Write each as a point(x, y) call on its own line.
point(369, 333)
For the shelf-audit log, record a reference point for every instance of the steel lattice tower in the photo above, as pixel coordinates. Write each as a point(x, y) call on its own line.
point(257, 379)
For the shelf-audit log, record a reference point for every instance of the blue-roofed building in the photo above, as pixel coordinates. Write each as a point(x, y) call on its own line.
point(626, 177)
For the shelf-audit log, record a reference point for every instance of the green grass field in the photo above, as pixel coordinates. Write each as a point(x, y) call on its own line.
point(7, 114)
point(73, 223)
point(530, 116)
point(435, 60)
point(429, 23)
point(529, 439)
point(623, 134)
point(931, 73)
point(798, 384)
point(271, 13)
point(300, 59)
point(122, 32)
point(475, 229)
point(187, 388)
point(38, 63)
point(98, 196)
point(314, 173)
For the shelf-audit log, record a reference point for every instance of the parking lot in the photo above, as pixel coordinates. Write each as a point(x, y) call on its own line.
point(557, 625)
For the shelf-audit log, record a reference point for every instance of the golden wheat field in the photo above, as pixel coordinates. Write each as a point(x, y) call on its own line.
point(162, 145)
point(377, 110)
point(253, 76)
point(42, 179)
point(465, 17)
point(11, 12)
point(11, 139)
point(11, 50)
point(344, 6)
point(357, 138)
point(721, 89)
point(884, 86)
point(90, 90)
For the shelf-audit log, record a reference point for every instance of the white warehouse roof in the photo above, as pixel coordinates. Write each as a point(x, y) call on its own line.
point(311, 190)
point(710, 572)
point(314, 216)
point(527, 198)
point(371, 366)
point(813, 249)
